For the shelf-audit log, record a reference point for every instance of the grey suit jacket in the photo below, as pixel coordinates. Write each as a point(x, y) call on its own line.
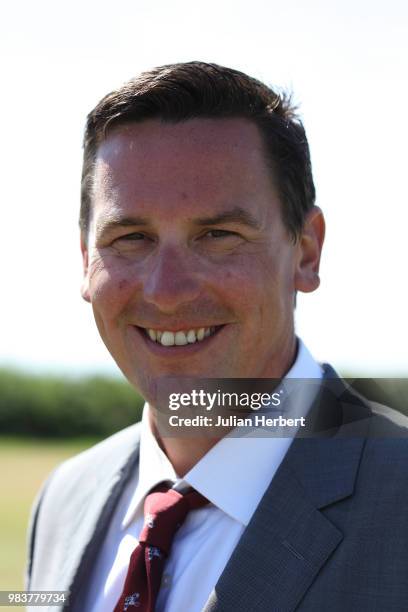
point(330, 533)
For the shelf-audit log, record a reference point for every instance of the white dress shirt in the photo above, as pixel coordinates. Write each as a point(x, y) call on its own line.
point(233, 475)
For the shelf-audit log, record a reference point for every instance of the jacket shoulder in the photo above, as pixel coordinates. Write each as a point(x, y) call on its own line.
point(79, 495)
point(386, 448)
point(387, 420)
point(108, 451)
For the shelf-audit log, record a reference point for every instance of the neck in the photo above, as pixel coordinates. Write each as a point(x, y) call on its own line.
point(183, 453)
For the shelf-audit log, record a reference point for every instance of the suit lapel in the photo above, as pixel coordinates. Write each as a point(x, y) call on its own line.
point(288, 539)
point(106, 484)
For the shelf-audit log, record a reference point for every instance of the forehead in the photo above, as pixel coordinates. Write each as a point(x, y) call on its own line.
point(196, 161)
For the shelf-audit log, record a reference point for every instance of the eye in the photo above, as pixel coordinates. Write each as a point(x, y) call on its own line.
point(133, 239)
point(132, 243)
point(218, 233)
point(220, 240)
point(133, 236)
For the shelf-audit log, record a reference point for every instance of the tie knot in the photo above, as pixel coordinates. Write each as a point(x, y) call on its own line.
point(165, 510)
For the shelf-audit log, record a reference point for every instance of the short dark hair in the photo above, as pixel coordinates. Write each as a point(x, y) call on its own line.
point(178, 92)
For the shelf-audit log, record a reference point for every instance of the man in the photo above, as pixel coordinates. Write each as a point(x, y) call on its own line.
point(198, 227)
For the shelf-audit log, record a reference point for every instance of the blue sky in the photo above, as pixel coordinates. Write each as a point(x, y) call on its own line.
point(346, 63)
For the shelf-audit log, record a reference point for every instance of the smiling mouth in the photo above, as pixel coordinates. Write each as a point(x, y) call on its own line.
point(181, 337)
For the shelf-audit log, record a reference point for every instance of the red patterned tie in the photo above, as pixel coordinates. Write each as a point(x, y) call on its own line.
point(164, 510)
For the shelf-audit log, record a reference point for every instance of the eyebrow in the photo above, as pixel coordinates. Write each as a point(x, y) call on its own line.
point(112, 222)
point(235, 215)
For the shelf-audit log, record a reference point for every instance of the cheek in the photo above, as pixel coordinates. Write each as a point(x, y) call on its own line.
point(110, 287)
point(259, 289)
point(123, 284)
point(253, 279)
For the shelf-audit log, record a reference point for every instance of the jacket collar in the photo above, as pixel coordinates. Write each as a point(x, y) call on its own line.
point(289, 539)
point(99, 499)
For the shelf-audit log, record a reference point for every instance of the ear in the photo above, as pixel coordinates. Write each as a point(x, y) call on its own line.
point(85, 262)
point(310, 246)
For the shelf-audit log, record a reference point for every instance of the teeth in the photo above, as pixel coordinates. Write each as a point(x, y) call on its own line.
point(200, 333)
point(152, 334)
point(180, 338)
point(191, 336)
point(167, 338)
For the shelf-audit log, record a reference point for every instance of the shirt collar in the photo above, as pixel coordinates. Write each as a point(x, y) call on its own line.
point(154, 467)
point(235, 465)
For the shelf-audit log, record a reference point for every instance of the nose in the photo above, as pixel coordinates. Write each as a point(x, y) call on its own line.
point(172, 281)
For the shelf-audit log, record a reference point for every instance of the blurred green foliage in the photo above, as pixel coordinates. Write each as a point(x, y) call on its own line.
point(391, 392)
point(57, 407)
point(46, 406)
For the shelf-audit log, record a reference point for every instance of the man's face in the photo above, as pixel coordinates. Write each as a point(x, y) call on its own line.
point(187, 240)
